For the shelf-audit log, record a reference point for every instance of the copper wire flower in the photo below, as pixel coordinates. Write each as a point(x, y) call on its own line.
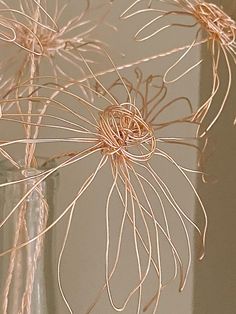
point(219, 34)
point(42, 38)
point(45, 48)
point(123, 127)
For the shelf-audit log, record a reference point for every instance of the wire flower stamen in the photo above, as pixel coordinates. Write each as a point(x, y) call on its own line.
point(216, 22)
point(124, 132)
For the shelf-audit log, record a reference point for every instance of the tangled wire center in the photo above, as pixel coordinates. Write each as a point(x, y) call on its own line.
point(42, 42)
point(216, 22)
point(124, 133)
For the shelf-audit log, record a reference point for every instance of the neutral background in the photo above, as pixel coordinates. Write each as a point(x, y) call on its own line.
point(211, 287)
point(215, 277)
point(83, 261)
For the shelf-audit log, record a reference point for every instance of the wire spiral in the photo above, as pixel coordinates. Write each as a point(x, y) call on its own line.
point(126, 134)
point(217, 23)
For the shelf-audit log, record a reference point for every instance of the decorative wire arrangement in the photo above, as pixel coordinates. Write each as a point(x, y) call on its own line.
point(126, 125)
point(218, 33)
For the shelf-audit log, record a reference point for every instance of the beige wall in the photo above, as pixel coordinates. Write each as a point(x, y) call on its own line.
point(83, 262)
point(215, 277)
point(211, 285)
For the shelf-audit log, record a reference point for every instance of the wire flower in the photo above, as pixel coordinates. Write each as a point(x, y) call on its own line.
point(122, 126)
point(42, 41)
point(218, 29)
point(46, 49)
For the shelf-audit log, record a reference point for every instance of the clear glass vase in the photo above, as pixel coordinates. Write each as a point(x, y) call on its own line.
point(26, 273)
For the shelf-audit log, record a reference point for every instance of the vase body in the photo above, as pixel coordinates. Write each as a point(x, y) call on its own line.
point(26, 273)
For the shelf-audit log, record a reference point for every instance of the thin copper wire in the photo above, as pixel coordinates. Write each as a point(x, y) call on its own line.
point(42, 43)
point(220, 34)
point(121, 128)
point(37, 40)
point(125, 133)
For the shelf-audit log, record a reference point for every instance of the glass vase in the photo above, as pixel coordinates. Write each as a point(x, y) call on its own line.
point(26, 273)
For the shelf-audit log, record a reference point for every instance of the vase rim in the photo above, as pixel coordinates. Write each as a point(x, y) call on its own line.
point(44, 163)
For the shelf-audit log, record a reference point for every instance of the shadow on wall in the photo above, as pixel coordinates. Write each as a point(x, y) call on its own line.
point(215, 276)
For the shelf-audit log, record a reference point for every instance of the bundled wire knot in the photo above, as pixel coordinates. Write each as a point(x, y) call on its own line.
point(124, 131)
point(216, 22)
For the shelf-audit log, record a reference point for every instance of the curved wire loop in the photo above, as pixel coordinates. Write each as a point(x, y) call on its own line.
point(219, 31)
point(123, 125)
